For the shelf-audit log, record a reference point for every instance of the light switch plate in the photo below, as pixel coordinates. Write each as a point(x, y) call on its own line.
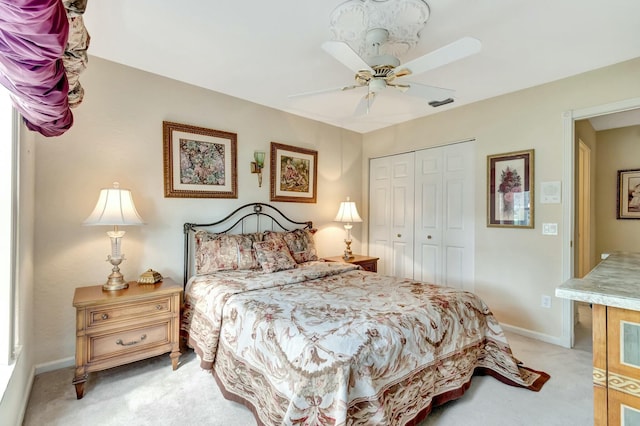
point(549, 229)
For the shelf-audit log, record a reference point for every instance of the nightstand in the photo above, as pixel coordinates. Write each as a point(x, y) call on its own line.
point(367, 263)
point(118, 327)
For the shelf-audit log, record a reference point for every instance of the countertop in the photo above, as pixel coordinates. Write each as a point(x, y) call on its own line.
point(615, 281)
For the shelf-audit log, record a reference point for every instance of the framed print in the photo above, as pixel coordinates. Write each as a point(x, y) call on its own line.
point(294, 174)
point(628, 194)
point(199, 162)
point(510, 198)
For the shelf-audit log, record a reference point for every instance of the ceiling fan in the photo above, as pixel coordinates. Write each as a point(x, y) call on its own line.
point(382, 71)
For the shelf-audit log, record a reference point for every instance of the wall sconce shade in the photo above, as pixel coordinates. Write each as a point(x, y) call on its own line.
point(348, 214)
point(115, 207)
point(258, 165)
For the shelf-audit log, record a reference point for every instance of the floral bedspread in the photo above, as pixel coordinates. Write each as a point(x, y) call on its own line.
point(329, 344)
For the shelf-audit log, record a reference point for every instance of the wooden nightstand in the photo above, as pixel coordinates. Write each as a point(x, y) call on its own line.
point(367, 263)
point(118, 327)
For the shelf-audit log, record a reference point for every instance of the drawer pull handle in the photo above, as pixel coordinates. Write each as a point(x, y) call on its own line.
point(135, 342)
point(105, 316)
point(159, 307)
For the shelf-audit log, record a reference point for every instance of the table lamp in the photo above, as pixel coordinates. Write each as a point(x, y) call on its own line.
point(115, 208)
point(348, 213)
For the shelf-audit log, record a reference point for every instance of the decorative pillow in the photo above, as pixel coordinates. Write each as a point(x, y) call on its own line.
point(273, 255)
point(300, 243)
point(222, 252)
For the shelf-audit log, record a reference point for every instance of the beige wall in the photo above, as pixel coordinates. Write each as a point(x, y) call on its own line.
point(619, 149)
point(117, 136)
point(514, 267)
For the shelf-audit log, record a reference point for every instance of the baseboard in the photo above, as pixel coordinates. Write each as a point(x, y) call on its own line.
point(55, 365)
point(25, 399)
point(533, 334)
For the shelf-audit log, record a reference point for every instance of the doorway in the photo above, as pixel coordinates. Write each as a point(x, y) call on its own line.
point(571, 254)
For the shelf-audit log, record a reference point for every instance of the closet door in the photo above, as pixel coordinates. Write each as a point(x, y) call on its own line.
point(391, 193)
point(444, 201)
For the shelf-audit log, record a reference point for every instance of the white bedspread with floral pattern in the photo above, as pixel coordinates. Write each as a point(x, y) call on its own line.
point(329, 344)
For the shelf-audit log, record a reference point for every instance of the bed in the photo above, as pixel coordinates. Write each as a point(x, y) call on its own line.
point(300, 341)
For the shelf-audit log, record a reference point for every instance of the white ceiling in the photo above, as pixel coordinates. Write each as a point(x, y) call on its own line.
point(264, 51)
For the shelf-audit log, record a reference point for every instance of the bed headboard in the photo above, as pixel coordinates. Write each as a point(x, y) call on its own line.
point(252, 217)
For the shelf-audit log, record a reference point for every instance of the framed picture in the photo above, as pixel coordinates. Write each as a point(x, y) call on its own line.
point(628, 194)
point(510, 192)
point(294, 174)
point(199, 162)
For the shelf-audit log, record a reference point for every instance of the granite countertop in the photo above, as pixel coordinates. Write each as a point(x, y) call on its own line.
point(613, 282)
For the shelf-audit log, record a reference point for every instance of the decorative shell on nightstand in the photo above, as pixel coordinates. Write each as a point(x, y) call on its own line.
point(150, 277)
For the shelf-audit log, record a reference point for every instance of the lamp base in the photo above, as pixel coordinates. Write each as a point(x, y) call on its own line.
point(115, 280)
point(115, 285)
point(347, 251)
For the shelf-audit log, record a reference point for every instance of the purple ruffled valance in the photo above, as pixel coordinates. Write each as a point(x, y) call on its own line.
point(33, 43)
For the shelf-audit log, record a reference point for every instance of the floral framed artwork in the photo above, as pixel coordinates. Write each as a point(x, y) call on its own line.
point(628, 198)
point(510, 190)
point(199, 162)
point(294, 174)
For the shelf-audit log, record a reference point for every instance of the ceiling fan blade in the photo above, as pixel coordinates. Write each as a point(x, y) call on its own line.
point(345, 54)
point(319, 92)
point(452, 52)
point(430, 93)
point(364, 106)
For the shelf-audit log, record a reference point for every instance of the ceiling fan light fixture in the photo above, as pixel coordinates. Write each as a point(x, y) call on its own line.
point(377, 84)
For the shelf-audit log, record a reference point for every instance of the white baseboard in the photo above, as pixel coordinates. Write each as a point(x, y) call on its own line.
point(533, 334)
point(25, 399)
point(55, 365)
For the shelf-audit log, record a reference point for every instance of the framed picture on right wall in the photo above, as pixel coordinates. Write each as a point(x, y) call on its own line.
point(510, 198)
point(628, 194)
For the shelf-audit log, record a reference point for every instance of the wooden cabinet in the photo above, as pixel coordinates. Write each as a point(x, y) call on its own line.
point(118, 327)
point(616, 366)
point(367, 263)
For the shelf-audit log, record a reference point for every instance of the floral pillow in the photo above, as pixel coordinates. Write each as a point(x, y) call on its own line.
point(223, 252)
point(300, 243)
point(273, 255)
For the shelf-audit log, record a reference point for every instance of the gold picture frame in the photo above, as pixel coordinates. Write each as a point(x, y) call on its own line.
point(199, 162)
point(510, 189)
point(294, 174)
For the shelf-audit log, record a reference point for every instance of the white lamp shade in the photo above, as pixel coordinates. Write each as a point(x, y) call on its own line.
point(348, 212)
point(115, 207)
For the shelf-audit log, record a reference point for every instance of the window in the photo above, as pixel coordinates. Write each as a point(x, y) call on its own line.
point(8, 229)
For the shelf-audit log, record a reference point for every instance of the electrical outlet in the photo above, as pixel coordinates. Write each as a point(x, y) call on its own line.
point(545, 301)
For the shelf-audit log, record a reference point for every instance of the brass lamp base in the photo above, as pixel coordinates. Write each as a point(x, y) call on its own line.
point(347, 251)
point(115, 280)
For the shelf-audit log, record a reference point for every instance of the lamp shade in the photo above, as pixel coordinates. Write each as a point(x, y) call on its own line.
point(115, 207)
point(348, 212)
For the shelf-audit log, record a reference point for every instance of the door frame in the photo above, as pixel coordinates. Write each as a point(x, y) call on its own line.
point(568, 207)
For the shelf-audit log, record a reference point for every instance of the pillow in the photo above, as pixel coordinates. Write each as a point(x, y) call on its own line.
point(223, 252)
point(300, 243)
point(273, 255)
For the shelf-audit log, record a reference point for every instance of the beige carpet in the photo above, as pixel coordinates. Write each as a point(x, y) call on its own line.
point(150, 393)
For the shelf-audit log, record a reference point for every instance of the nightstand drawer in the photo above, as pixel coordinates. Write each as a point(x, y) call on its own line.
point(108, 315)
point(126, 341)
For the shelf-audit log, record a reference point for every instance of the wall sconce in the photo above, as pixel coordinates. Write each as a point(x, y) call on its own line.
point(258, 165)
